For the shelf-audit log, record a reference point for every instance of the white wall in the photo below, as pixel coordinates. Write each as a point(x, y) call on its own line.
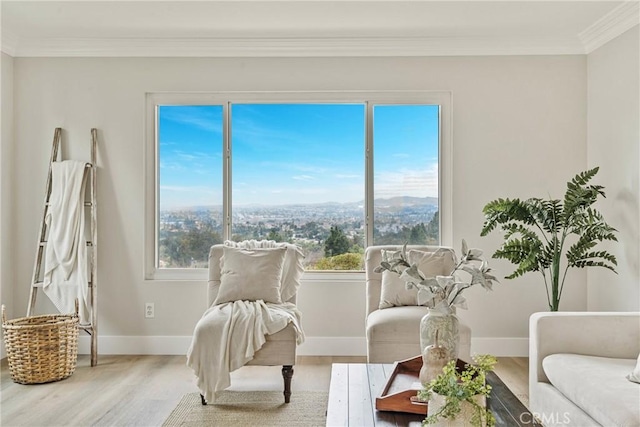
point(6, 153)
point(613, 144)
point(519, 130)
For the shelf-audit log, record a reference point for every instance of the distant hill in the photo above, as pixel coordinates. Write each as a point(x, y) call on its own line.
point(406, 201)
point(391, 203)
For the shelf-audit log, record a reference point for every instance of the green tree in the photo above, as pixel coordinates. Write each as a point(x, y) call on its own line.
point(276, 236)
point(190, 249)
point(337, 243)
point(433, 228)
point(418, 234)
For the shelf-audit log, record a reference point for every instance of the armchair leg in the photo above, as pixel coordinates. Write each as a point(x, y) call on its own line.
point(287, 374)
point(204, 402)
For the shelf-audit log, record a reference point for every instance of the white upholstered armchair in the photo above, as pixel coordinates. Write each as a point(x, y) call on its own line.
point(393, 332)
point(278, 348)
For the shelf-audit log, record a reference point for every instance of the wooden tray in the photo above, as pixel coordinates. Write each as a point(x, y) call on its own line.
point(399, 394)
point(402, 385)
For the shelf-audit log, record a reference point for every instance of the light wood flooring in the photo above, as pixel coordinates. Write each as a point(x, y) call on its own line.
point(143, 390)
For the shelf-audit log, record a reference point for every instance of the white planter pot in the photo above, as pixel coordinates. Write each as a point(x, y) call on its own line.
point(463, 419)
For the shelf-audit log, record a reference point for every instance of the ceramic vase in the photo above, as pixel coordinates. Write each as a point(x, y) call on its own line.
point(446, 325)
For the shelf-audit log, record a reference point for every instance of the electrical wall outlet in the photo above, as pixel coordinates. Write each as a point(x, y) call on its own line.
point(149, 310)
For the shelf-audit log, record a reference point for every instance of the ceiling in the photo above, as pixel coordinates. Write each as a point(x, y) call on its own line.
point(310, 28)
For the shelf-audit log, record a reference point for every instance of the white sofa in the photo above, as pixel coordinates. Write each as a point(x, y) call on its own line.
point(578, 362)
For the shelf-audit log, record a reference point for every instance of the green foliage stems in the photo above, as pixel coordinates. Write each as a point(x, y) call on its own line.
point(461, 386)
point(525, 222)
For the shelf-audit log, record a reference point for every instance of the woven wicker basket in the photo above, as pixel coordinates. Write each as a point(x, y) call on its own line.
point(41, 349)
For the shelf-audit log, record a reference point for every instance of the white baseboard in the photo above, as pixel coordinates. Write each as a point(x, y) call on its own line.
point(313, 346)
point(151, 345)
point(333, 346)
point(501, 347)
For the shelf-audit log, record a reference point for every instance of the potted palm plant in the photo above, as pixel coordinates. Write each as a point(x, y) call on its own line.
point(538, 234)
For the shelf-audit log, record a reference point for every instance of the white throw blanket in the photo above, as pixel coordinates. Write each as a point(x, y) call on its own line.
point(228, 335)
point(65, 273)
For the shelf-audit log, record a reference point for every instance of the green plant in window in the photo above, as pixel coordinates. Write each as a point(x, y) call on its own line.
point(349, 261)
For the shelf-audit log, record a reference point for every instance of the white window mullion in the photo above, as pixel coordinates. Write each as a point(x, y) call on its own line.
point(368, 200)
point(226, 171)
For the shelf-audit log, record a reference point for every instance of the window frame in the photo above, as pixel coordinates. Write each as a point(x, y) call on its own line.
point(225, 98)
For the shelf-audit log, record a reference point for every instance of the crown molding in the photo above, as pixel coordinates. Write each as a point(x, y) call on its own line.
point(8, 44)
point(295, 47)
point(611, 25)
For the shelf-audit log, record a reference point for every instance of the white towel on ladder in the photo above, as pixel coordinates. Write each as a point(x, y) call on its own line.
point(65, 273)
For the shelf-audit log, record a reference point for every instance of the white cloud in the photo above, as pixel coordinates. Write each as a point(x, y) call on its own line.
point(307, 168)
point(408, 182)
point(194, 117)
point(303, 178)
point(179, 196)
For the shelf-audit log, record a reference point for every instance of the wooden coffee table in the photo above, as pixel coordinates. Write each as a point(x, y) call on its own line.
point(355, 386)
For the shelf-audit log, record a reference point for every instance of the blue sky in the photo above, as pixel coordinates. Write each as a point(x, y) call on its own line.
point(295, 153)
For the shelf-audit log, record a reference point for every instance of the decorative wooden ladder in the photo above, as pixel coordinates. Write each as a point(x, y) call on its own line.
point(37, 281)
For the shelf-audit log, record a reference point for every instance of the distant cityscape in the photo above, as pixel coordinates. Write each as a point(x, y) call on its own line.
point(330, 234)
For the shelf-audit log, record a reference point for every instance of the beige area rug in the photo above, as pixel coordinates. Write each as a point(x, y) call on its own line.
point(251, 408)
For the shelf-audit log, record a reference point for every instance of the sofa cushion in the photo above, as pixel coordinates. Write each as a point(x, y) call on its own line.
point(553, 408)
point(597, 385)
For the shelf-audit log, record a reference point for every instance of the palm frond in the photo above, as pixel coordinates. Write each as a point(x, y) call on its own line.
point(590, 223)
point(502, 211)
point(579, 195)
point(521, 252)
point(548, 214)
point(584, 244)
point(512, 228)
point(527, 265)
point(596, 259)
point(593, 263)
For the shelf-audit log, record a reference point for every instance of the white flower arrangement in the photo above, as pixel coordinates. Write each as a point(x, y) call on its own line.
point(443, 293)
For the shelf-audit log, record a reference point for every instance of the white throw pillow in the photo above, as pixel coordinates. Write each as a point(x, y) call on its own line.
point(292, 268)
point(635, 374)
point(394, 292)
point(250, 274)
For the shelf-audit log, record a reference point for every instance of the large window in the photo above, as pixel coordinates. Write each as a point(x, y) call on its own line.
point(332, 177)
